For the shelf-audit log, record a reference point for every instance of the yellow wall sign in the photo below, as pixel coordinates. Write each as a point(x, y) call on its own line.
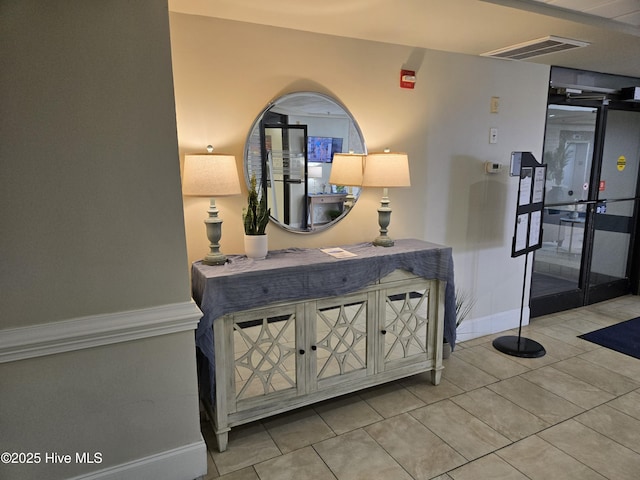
point(622, 162)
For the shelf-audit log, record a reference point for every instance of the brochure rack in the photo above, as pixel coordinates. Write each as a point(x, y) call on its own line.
point(527, 238)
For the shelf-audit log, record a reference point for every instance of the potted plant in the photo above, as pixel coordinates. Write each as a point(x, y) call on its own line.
point(255, 218)
point(556, 161)
point(464, 304)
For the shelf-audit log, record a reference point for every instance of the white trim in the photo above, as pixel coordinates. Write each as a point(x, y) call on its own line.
point(499, 322)
point(183, 463)
point(96, 330)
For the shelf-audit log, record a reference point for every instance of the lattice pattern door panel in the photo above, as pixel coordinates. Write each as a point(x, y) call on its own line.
point(341, 339)
point(406, 318)
point(264, 355)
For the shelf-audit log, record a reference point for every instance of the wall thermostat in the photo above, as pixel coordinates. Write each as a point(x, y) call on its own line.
point(491, 167)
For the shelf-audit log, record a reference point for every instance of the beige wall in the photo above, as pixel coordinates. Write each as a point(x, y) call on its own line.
point(91, 223)
point(91, 214)
point(226, 72)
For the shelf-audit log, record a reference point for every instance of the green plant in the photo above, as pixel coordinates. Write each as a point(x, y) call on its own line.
point(556, 162)
point(256, 215)
point(333, 214)
point(464, 304)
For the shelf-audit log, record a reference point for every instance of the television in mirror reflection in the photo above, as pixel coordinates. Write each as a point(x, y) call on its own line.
point(322, 149)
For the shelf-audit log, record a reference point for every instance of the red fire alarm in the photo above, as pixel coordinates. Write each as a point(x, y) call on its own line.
point(407, 79)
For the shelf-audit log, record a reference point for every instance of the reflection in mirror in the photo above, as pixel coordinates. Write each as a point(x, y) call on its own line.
point(290, 149)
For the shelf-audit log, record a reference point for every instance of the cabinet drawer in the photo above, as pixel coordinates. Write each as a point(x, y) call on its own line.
point(399, 275)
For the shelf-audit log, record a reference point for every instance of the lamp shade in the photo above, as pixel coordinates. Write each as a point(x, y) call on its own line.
point(346, 169)
point(210, 176)
point(386, 170)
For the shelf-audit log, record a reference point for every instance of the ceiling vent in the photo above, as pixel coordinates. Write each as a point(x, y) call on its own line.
point(535, 48)
point(630, 94)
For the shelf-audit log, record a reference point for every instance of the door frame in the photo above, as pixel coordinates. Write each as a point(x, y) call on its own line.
point(287, 182)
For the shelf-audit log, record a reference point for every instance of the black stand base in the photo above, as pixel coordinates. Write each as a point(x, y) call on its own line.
point(519, 347)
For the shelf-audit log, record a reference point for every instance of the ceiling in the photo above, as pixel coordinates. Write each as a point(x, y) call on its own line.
point(624, 11)
point(611, 27)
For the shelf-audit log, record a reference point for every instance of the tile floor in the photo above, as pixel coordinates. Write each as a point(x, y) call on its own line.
point(572, 414)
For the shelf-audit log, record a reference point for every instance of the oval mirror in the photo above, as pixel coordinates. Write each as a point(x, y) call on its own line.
point(291, 148)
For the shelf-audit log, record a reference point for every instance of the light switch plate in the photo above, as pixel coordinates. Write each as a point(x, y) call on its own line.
point(495, 104)
point(493, 135)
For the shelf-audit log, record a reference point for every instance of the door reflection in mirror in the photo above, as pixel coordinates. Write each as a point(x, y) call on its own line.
point(285, 174)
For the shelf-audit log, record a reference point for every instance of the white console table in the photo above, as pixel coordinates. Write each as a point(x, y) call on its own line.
point(302, 326)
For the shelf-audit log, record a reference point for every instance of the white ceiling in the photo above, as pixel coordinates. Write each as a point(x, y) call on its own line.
point(463, 26)
point(624, 11)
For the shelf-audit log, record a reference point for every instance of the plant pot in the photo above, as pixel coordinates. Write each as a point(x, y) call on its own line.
point(446, 350)
point(256, 246)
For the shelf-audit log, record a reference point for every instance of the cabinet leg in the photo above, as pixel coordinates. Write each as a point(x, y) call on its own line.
point(435, 376)
point(223, 439)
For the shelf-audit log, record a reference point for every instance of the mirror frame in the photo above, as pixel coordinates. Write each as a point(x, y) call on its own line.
point(255, 128)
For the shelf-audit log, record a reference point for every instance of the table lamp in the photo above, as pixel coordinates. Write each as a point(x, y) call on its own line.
point(211, 176)
point(346, 169)
point(386, 170)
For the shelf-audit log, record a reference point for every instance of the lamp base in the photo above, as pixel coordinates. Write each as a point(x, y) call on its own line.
point(384, 218)
point(213, 225)
point(383, 241)
point(215, 259)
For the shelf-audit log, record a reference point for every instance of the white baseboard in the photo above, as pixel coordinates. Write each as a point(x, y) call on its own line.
point(479, 327)
point(96, 330)
point(183, 463)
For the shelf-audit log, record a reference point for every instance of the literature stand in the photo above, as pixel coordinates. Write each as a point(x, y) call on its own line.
point(527, 237)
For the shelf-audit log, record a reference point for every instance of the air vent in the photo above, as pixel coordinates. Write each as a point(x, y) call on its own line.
point(630, 94)
point(535, 48)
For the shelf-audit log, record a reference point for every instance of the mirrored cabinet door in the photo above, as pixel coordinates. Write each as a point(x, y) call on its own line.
point(404, 324)
point(341, 340)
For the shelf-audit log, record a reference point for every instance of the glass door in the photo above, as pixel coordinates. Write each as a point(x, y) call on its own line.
point(615, 211)
point(568, 153)
point(285, 173)
point(589, 221)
